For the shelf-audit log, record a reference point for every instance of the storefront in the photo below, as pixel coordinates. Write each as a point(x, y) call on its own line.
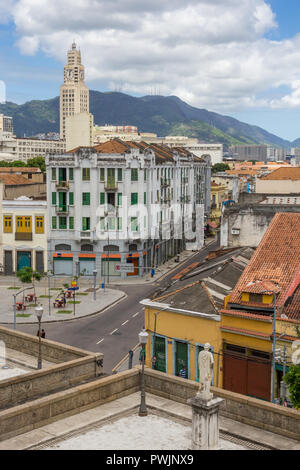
point(63, 264)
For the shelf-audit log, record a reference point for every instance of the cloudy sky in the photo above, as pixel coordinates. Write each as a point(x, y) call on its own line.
point(236, 57)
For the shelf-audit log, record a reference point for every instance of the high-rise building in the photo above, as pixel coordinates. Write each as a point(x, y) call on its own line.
point(74, 94)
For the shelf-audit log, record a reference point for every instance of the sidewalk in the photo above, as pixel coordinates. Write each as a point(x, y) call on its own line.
point(85, 304)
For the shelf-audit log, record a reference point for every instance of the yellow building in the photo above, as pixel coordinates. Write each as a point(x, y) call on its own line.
point(24, 234)
point(219, 194)
point(178, 331)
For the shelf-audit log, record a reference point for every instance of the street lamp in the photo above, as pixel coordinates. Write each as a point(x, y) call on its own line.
point(95, 282)
point(143, 338)
point(39, 313)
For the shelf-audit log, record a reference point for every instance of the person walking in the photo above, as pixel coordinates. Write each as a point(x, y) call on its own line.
point(182, 372)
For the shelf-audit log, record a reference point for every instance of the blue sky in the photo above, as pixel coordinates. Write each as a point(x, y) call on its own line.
point(236, 57)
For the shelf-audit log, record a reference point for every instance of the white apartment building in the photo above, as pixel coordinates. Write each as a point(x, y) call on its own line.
point(124, 203)
point(74, 94)
point(27, 148)
point(79, 131)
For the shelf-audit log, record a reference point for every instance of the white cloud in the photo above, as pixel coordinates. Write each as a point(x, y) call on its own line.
point(212, 53)
point(6, 8)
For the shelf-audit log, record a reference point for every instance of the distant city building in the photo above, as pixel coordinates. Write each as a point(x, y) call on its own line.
point(284, 180)
point(74, 94)
point(30, 148)
point(249, 152)
point(79, 130)
point(97, 196)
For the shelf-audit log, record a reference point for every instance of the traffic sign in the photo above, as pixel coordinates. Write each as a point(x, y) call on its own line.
point(125, 268)
point(73, 288)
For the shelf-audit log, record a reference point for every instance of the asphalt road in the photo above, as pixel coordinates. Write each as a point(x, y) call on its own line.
point(114, 331)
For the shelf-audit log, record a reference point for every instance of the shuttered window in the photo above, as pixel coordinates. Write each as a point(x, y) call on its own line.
point(85, 199)
point(39, 224)
point(7, 224)
point(134, 198)
point(85, 223)
point(102, 174)
point(71, 223)
point(86, 174)
point(102, 198)
point(54, 223)
point(120, 174)
point(53, 199)
point(71, 199)
point(71, 174)
point(134, 174)
point(62, 222)
point(53, 174)
point(119, 199)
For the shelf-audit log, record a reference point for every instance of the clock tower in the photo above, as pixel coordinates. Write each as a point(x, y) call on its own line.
point(74, 94)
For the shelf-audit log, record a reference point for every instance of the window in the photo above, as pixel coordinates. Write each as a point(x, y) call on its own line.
point(120, 175)
point(54, 223)
point(62, 223)
point(23, 224)
point(102, 223)
point(102, 198)
point(134, 224)
point(111, 222)
point(53, 174)
point(53, 199)
point(102, 174)
point(85, 223)
point(71, 174)
point(39, 224)
point(255, 297)
point(145, 174)
point(119, 199)
point(134, 174)
point(85, 199)
point(71, 199)
point(86, 174)
point(119, 223)
point(145, 198)
point(71, 223)
point(7, 224)
point(134, 198)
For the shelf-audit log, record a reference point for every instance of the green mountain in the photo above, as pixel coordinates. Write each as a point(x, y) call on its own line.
point(163, 115)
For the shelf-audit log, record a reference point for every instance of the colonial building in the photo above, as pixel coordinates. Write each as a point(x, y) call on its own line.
point(124, 202)
point(24, 234)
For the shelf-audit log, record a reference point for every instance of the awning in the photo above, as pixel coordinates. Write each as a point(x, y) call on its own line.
point(62, 255)
point(115, 256)
point(133, 255)
point(87, 255)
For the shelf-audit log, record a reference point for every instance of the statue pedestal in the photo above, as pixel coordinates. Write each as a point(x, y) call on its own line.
point(205, 422)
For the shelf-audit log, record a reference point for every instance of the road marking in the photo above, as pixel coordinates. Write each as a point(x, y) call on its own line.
point(114, 331)
point(125, 322)
point(100, 340)
point(135, 314)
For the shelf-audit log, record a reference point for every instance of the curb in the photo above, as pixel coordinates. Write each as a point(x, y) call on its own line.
point(73, 318)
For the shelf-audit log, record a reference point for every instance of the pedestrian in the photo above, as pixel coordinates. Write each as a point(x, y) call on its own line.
point(182, 372)
point(64, 300)
point(153, 362)
point(142, 355)
point(43, 334)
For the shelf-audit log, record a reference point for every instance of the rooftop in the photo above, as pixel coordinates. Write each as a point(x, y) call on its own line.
point(14, 179)
point(291, 173)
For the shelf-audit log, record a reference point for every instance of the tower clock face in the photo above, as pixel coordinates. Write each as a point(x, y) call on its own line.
point(70, 74)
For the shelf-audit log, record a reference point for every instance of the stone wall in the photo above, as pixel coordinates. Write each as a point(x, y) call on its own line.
point(45, 410)
point(51, 350)
point(258, 413)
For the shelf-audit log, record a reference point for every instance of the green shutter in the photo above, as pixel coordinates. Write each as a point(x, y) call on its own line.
point(145, 198)
point(71, 199)
point(134, 174)
point(71, 223)
point(145, 174)
point(102, 226)
point(53, 174)
point(102, 198)
point(134, 198)
point(62, 222)
point(53, 199)
point(85, 199)
point(102, 174)
point(120, 176)
point(119, 199)
point(85, 223)
point(86, 174)
point(119, 223)
point(71, 174)
point(53, 223)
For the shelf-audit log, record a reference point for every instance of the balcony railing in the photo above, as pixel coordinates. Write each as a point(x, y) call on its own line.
point(165, 181)
point(111, 186)
point(23, 236)
point(62, 185)
point(62, 210)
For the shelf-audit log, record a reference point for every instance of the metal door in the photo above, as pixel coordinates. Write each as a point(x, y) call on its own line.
point(160, 353)
point(23, 259)
point(39, 261)
point(63, 267)
point(87, 267)
point(181, 357)
point(8, 263)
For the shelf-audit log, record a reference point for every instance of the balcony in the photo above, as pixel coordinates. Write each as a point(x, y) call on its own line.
point(62, 185)
point(23, 236)
point(111, 186)
point(62, 210)
point(165, 182)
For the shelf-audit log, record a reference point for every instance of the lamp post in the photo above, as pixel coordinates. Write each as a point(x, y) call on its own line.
point(273, 350)
point(49, 305)
point(39, 313)
point(143, 338)
point(95, 282)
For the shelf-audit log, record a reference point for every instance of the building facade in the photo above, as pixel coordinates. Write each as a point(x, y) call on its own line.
point(24, 234)
point(124, 203)
point(74, 94)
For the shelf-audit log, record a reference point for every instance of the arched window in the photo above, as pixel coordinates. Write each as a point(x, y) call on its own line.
point(133, 247)
point(87, 247)
point(62, 247)
point(111, 248)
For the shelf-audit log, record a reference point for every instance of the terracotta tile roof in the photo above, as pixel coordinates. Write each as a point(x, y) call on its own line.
point(276, 261)
point(250, 316)
point(261, 287)
point(246, 332)
point(292, 173)
point(14, 179)
point(21, 169)
point(112, 146)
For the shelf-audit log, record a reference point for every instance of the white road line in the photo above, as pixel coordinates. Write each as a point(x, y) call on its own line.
point(125, 322)
point(100, 340)
point(114, 331)
point(135, 314)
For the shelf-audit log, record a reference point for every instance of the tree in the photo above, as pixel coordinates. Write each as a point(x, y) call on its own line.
point(4, 163)
point(27, 275)
point(292, 379)
point(220, 167)
point(37, 162)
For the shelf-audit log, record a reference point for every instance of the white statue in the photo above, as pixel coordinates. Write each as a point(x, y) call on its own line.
point(206, 364)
